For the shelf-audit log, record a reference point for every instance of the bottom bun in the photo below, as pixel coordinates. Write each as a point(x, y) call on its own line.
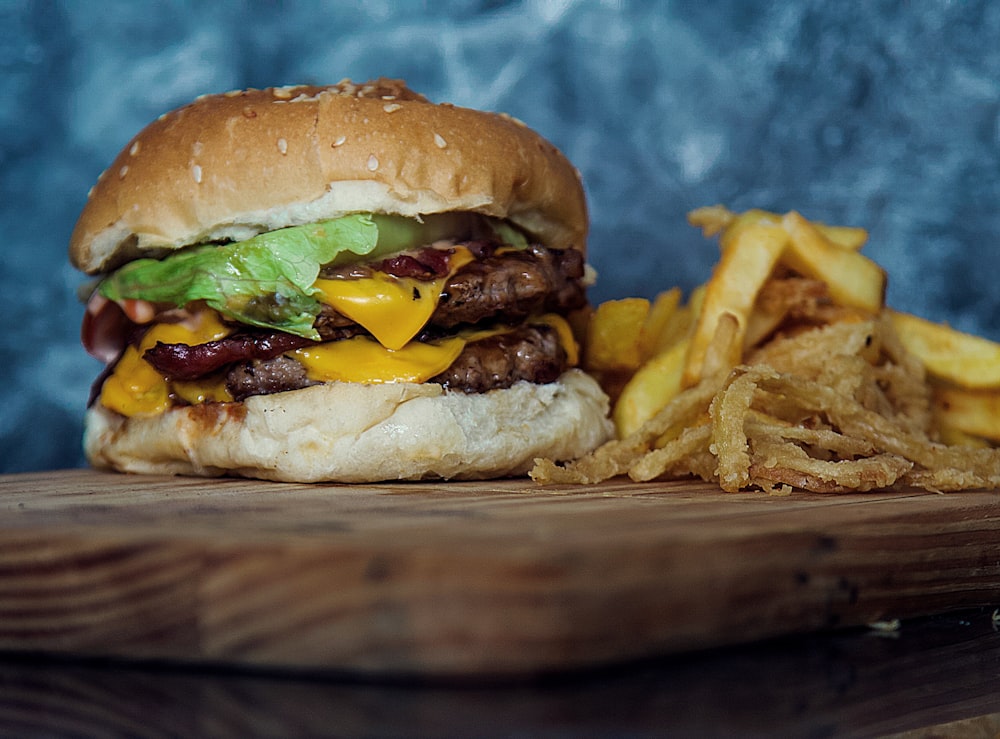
point(348, 432)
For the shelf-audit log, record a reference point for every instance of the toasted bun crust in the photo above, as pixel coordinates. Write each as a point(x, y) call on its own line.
point(396, 431)
point(233, 165)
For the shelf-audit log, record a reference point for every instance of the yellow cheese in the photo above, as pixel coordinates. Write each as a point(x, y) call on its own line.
point(362, 360)
point(392, 309)
point(565, 333)
point(206, 390)
point(366, 361)
point(136, 388)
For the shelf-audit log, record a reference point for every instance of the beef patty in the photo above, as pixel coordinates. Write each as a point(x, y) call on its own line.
point(531, 353)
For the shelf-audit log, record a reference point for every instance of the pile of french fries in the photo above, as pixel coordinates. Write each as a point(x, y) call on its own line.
point(645, 353)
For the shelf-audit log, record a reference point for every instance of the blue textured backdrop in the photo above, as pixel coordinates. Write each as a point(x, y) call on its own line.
point(879, 114)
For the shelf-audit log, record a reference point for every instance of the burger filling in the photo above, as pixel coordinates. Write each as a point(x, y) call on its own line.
point(357, 299)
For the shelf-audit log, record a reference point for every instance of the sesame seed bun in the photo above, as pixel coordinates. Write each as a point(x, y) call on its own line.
point(229, 166)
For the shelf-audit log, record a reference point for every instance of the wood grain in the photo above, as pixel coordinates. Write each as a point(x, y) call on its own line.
point(465, 578)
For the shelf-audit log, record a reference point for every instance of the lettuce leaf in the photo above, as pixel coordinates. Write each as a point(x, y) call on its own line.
point(265, 281)
point(268, 280)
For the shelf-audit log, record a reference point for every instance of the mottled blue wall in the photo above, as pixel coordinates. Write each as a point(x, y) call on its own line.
point(879, 114)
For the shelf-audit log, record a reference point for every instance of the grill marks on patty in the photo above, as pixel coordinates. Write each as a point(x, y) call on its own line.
point(504, 287)
point(531, 353)
point(266, 376)
point(512, 286)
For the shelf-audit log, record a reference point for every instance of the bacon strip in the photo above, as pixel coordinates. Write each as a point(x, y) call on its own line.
point(425, 264)
point(184, 362)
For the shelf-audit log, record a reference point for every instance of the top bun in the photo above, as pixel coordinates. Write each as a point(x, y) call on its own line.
point(229, 166)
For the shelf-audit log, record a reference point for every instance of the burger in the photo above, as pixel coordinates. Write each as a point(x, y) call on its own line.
point(344, 283)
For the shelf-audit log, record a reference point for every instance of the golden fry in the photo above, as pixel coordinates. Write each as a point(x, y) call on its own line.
point(848, 237)
point(614, 334)
point(854, 280)
point(973, 412)
point(736, 281)
point(717, 219)
point(665, 324)
point(963, 359)
point(711, 219)
point(651, 388)
point(734, 231)
point(786, 370)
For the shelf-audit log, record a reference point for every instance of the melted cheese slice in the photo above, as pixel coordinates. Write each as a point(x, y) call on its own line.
point(366, 361)
point(136, 388)
point(392, 309)
point(363, 360)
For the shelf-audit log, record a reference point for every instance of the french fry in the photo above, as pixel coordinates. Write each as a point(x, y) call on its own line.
point(716, 219)
point(854, 280)
point(733, 288)
point(786, 370)
point(953, 356)
point(613, 335)
point(743, 221)
point(664, 324)
point(973, 412)
point(711, 219)
point(847, 237)
point(653, 386)
point(952, 436)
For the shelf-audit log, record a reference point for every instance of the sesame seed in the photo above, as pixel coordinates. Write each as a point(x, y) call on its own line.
point(90, 193)
point(135, 149)
point(512, 119)
point(388, 97)
point(391, 107)
point(339, 141)
point(122, 172)
point(196, 173)
point(249, 112)
point(233, 93)
point(196, 148)
point(372, 163)
point(284, 92)
point(439, 141)
point(282, 146)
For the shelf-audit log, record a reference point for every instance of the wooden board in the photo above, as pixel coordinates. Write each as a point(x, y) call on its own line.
point(493, 578)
